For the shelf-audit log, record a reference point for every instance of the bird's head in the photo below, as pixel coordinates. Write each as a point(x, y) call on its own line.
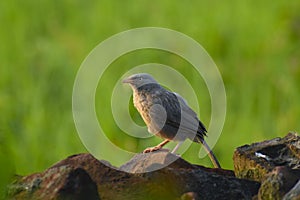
point(138, 80)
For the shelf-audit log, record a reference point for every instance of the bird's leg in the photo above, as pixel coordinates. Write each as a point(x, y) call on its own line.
point(211, 155)
point(157, 147)
point(177, 146)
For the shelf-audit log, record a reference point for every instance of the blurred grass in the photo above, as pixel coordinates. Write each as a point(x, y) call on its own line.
point(255, 45)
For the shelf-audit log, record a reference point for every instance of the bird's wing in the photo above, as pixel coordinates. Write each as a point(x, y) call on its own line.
point(185, 117)
point(176, 115)
point(187, 109)
point(184, 105)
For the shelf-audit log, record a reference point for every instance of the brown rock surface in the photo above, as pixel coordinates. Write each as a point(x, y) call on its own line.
point(84, 177)
point(62, 182)
point(294, 193)
point(256, 160)
point(275, 163)
point(151, 161)
point(278, 182)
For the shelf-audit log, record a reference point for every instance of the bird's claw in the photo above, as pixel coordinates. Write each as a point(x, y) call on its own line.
point(151, 149)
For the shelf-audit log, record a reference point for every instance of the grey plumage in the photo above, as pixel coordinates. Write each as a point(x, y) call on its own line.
point(166, 113)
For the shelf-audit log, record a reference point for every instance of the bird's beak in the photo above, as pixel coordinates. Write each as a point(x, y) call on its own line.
point(126, 80)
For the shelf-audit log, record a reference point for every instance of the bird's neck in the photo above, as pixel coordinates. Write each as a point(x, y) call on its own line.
point(148, 87)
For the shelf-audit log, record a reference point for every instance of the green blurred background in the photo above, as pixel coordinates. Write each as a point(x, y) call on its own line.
point(255, 44)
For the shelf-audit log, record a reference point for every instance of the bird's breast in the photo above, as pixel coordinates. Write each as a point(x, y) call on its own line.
point(142, 104)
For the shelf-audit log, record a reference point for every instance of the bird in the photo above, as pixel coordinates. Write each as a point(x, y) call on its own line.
point(167, 114)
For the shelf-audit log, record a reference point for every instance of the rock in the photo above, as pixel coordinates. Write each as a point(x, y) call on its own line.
point(153, 161)
point(294, 193)
point(62, 182)
point(161, 175)
point(189, 196)
point(278, 182)
point(142, 163)
point(256, 160)
point(275, 163)
point(81, 175)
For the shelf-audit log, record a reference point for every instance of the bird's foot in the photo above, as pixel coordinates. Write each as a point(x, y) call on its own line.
point(151, 149)
point(177, 155)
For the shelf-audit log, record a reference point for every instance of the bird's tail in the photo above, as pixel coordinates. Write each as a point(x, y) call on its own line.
point(211, 155)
